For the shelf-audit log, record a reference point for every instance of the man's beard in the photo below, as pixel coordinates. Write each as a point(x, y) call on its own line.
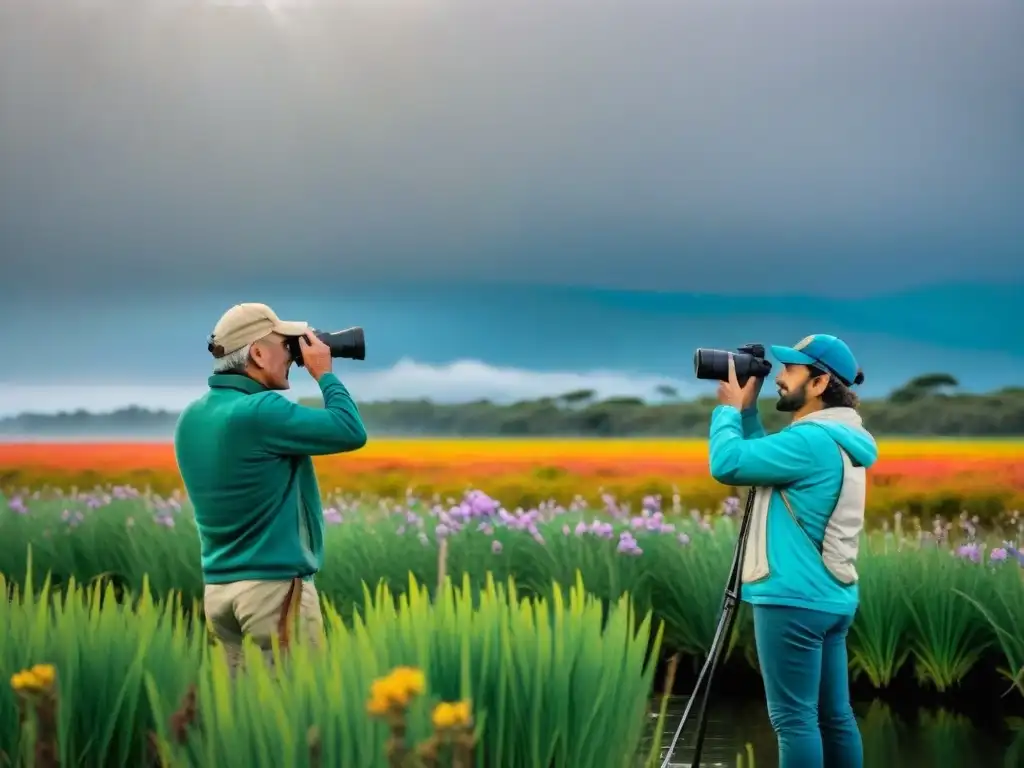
point(791, 402)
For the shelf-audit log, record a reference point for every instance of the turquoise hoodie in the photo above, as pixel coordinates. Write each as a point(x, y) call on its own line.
point(803, 460)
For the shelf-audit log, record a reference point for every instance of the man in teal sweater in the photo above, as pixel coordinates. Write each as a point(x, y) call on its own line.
point(244, 454)
point(799, 570)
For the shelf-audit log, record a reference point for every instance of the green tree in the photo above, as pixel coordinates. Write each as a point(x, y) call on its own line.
point(578, 397)
point(667, 391)
point(928, 405)
point(923, 386)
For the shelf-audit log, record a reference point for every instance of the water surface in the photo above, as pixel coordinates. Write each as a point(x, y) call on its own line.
point(925, 738)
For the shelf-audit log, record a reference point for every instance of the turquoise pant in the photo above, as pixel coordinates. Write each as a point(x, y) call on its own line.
point(803, 661)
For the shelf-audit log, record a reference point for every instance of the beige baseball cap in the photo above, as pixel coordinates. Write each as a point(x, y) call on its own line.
point(245, 323)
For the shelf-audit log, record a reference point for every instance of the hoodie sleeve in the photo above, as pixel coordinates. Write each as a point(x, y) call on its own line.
point(752, 426)
point(289, 429)
point(776, 459)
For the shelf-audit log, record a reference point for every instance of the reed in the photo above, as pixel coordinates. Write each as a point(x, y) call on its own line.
point(943, 600)
point(558, 681)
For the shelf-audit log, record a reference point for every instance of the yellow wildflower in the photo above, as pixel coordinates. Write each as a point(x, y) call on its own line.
point(378, 706)
point(34, 680)
point(451, 714)
point(409, 679)
point(381, 698)
point(395, 690)
point(392, 690)
point(443, 717)
point(25, 681)
point(381, 688)
point(45, 674)
point(462, 713)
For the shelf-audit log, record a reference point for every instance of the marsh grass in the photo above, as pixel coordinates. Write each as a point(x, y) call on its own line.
point(947, 638)
point(102, 649)
point(877, 645)
point(557, 681)
point(920, 605)
point(1004, 611)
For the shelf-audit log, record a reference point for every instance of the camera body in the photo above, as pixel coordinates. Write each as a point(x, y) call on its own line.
point(713, 364)
point(349, 343)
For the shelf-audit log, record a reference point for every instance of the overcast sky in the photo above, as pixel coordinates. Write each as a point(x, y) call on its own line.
point(702, 146)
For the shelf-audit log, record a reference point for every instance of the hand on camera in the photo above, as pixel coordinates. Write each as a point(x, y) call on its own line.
point(754, 386)
point(731, 393)
point(316, 355)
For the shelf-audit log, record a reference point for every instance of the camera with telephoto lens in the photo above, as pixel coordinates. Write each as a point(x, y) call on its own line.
point(749, 360)
point(349, 343)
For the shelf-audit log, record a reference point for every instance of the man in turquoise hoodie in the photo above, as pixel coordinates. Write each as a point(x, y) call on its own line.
point(799, 571)
point(244, 454)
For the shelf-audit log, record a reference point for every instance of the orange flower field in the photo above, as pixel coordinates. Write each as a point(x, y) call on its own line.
point(916, 476)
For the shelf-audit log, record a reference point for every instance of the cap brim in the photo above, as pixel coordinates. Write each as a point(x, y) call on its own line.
point(291, 328)
point(790, 356)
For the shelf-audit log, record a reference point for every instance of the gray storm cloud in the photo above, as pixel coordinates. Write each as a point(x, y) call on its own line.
point(637, 144)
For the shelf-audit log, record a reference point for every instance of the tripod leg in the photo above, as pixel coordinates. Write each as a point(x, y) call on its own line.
point(728, 622)
point(700, 690)
point(722, 632)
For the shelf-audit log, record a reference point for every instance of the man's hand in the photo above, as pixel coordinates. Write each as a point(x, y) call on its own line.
point(731, 393)
point(316, 355)
point(750, 399)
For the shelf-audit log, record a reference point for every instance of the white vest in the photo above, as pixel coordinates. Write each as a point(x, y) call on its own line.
point(842, 533)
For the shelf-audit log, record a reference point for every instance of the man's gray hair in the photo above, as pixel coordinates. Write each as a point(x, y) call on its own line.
point(233, 362)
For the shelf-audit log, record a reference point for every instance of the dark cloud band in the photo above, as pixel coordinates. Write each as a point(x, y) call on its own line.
point(640, 144)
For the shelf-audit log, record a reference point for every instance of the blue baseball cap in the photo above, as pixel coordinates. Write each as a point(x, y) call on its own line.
point(822, 351)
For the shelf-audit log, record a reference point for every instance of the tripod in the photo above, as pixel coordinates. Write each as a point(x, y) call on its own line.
point(727, 620)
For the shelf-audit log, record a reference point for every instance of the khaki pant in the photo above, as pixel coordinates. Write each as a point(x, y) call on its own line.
point(254, 609)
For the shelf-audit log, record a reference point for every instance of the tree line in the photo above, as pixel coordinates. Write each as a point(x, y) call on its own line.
point(928, 405)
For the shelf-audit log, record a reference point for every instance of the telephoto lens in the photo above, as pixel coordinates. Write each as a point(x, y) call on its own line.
point(349, 343)
point(713, 364)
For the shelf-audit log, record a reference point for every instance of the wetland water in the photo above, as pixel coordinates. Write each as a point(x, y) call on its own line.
point(926, 738)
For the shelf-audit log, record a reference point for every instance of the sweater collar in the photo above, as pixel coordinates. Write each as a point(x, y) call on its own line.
point(236, 381)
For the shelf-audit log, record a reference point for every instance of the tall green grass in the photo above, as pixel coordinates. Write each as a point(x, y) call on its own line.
point(1004, 610)
point(947, 638)
point(920, 605)
point(102, 650)
point(555, 682)
point(879, 643)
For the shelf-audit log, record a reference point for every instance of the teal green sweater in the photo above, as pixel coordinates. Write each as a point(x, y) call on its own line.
point(244, 455)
